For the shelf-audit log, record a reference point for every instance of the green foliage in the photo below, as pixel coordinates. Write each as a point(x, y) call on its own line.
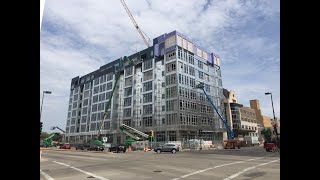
point(267, 133)
point(44, 135)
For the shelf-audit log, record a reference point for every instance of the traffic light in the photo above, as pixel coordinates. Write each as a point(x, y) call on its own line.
point(275, 129)
point(41, 127)
point(152, 133)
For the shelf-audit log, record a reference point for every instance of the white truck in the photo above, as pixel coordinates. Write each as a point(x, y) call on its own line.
point(252, 140)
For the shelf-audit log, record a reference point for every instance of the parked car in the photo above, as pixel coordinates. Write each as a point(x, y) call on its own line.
point(117, 148)
point(65, 146)
point(167, 148)
point(95, 148)
point(82, 147)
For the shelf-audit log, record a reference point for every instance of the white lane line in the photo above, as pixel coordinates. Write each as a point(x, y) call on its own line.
point(85, 172)
point(203, 170)
point(46, 175)
point(247, 169)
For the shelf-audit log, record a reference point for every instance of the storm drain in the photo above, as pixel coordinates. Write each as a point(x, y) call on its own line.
point(90, 177)
point(157, 171)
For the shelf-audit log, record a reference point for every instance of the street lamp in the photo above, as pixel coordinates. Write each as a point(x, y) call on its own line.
point(274, 117)
point(44, 92)
point(267, 93)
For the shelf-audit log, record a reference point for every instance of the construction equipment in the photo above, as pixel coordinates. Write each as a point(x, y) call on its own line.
point(48, 141)
point(135, 134)
point(118, 69)
point(231, 143)
point(142, 34)
point(56, 127)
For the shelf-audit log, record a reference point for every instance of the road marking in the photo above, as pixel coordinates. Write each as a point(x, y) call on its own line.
point(85, 172)
point(247, 169)
point(46, 175)
point(203, 170)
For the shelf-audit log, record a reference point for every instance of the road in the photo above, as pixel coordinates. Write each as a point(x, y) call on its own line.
point(244, 163)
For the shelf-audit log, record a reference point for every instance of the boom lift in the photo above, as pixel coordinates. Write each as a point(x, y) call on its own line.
point(133, 133)
point(48, 141)
point(118, 70)
point(56, 127)
point(231, 143)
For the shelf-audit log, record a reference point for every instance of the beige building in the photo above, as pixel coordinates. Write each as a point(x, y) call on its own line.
point(265, 121)
point(241, 119)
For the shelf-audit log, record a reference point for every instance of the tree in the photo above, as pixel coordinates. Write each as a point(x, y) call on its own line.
point(44, 135)
point(267, 133)
point(57, 137)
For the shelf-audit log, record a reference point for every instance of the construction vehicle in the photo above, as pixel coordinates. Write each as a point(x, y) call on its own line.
point(273, 144)
point(118, 69)
point(231, 143)
point(47, 142)
point(135, 134)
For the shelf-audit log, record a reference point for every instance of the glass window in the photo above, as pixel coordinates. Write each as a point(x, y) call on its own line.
point(147, 75)
point(128, 91)
point(109, 76)
point(128, 71)
point(87, 86)
point(108, 95)
point(94, 107)
point(147, 121)
point(84, 110)
point(147, 86)
point(128, 81)
point(95, 99)
point(147, 97)
point(109, 85)
point(147, 109)
point(147, 64)
point(102, 97)
point(75, 97)
point(127, 112)
point(96, 90)
point(127, 101)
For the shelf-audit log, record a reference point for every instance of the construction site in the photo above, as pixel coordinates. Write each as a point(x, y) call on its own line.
point(153, 91)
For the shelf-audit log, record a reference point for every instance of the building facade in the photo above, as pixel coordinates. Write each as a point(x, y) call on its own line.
point(157, 93)
point(265, 121)
point(241, 119)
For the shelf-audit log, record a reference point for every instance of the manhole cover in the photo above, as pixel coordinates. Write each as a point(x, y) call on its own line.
point(157, 171)
point(90, 177)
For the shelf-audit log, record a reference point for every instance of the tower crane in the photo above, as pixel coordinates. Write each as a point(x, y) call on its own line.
point(142, 34)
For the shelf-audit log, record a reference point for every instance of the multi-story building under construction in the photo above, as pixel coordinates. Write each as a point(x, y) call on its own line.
point(157, 93)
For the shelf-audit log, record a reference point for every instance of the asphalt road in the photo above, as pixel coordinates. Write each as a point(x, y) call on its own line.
point(245, 163)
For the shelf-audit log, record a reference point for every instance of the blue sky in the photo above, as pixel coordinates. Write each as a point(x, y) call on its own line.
point(79, 36)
